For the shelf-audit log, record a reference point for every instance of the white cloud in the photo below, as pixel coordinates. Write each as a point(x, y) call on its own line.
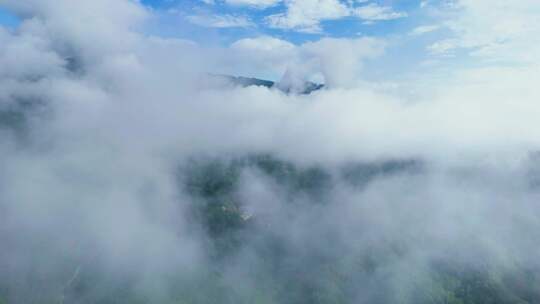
point(220, 21)
point(494, 30)
point(339, 61)
point(102, 153)
point(420, 30)
point(110, 20)
point(263, 44)
point(254, 3)
point(262, 56)
point(374, 12)
point(442, 47)
point(307, 15)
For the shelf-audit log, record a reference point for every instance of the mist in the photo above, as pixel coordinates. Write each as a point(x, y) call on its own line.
point(125, 178)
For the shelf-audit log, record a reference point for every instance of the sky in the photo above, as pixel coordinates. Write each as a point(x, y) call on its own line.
point(223, 22)
point(7, 19)
point(419, 35)
point(295, 21)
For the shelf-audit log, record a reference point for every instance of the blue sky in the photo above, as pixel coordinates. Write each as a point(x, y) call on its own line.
point(416, 32)
point(7, 19)
point(222, 22)
point(197, 20)
point(219, 23)
point(193, 19)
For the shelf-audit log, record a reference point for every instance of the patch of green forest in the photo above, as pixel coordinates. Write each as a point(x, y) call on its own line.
point(272, 269)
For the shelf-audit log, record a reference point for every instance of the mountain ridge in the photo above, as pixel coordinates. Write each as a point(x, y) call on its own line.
point(307, 88)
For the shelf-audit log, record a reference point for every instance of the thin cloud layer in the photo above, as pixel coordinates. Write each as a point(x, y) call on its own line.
point(220, 21)
point(307, 15)
point(493, 30)
point(337, 61)
point(254, 3)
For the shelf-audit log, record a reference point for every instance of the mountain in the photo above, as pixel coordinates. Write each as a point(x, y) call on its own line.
point(307, 87)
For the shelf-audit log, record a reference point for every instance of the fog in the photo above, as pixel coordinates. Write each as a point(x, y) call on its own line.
point(358, 193)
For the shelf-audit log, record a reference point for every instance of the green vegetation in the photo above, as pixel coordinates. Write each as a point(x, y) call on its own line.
point(289, 276)
point(15, 117)
point(11, 119)
point(271, 268)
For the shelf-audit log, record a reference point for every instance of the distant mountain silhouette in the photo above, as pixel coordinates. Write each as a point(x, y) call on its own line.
point(307, 88)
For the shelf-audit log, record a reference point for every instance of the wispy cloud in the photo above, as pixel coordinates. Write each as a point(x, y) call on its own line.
point(424, 29)
point(491, 30)
point(220, 21)
point(307, 15)
point(374, 12)
point(260, 4)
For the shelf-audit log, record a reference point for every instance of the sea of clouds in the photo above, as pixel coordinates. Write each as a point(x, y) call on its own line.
point(107, 115)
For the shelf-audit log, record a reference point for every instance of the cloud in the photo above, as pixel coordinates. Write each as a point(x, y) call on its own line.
point(307, 15)
point(110, 21)
point(260, 4)
point(220, 21)
point(263, 44)
point(424, 29)
point(338, 61)
point(442, 47)
point(493, 30)
point(263, 56)
point(374, 12)
point(341, 60)
point(373, 189)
